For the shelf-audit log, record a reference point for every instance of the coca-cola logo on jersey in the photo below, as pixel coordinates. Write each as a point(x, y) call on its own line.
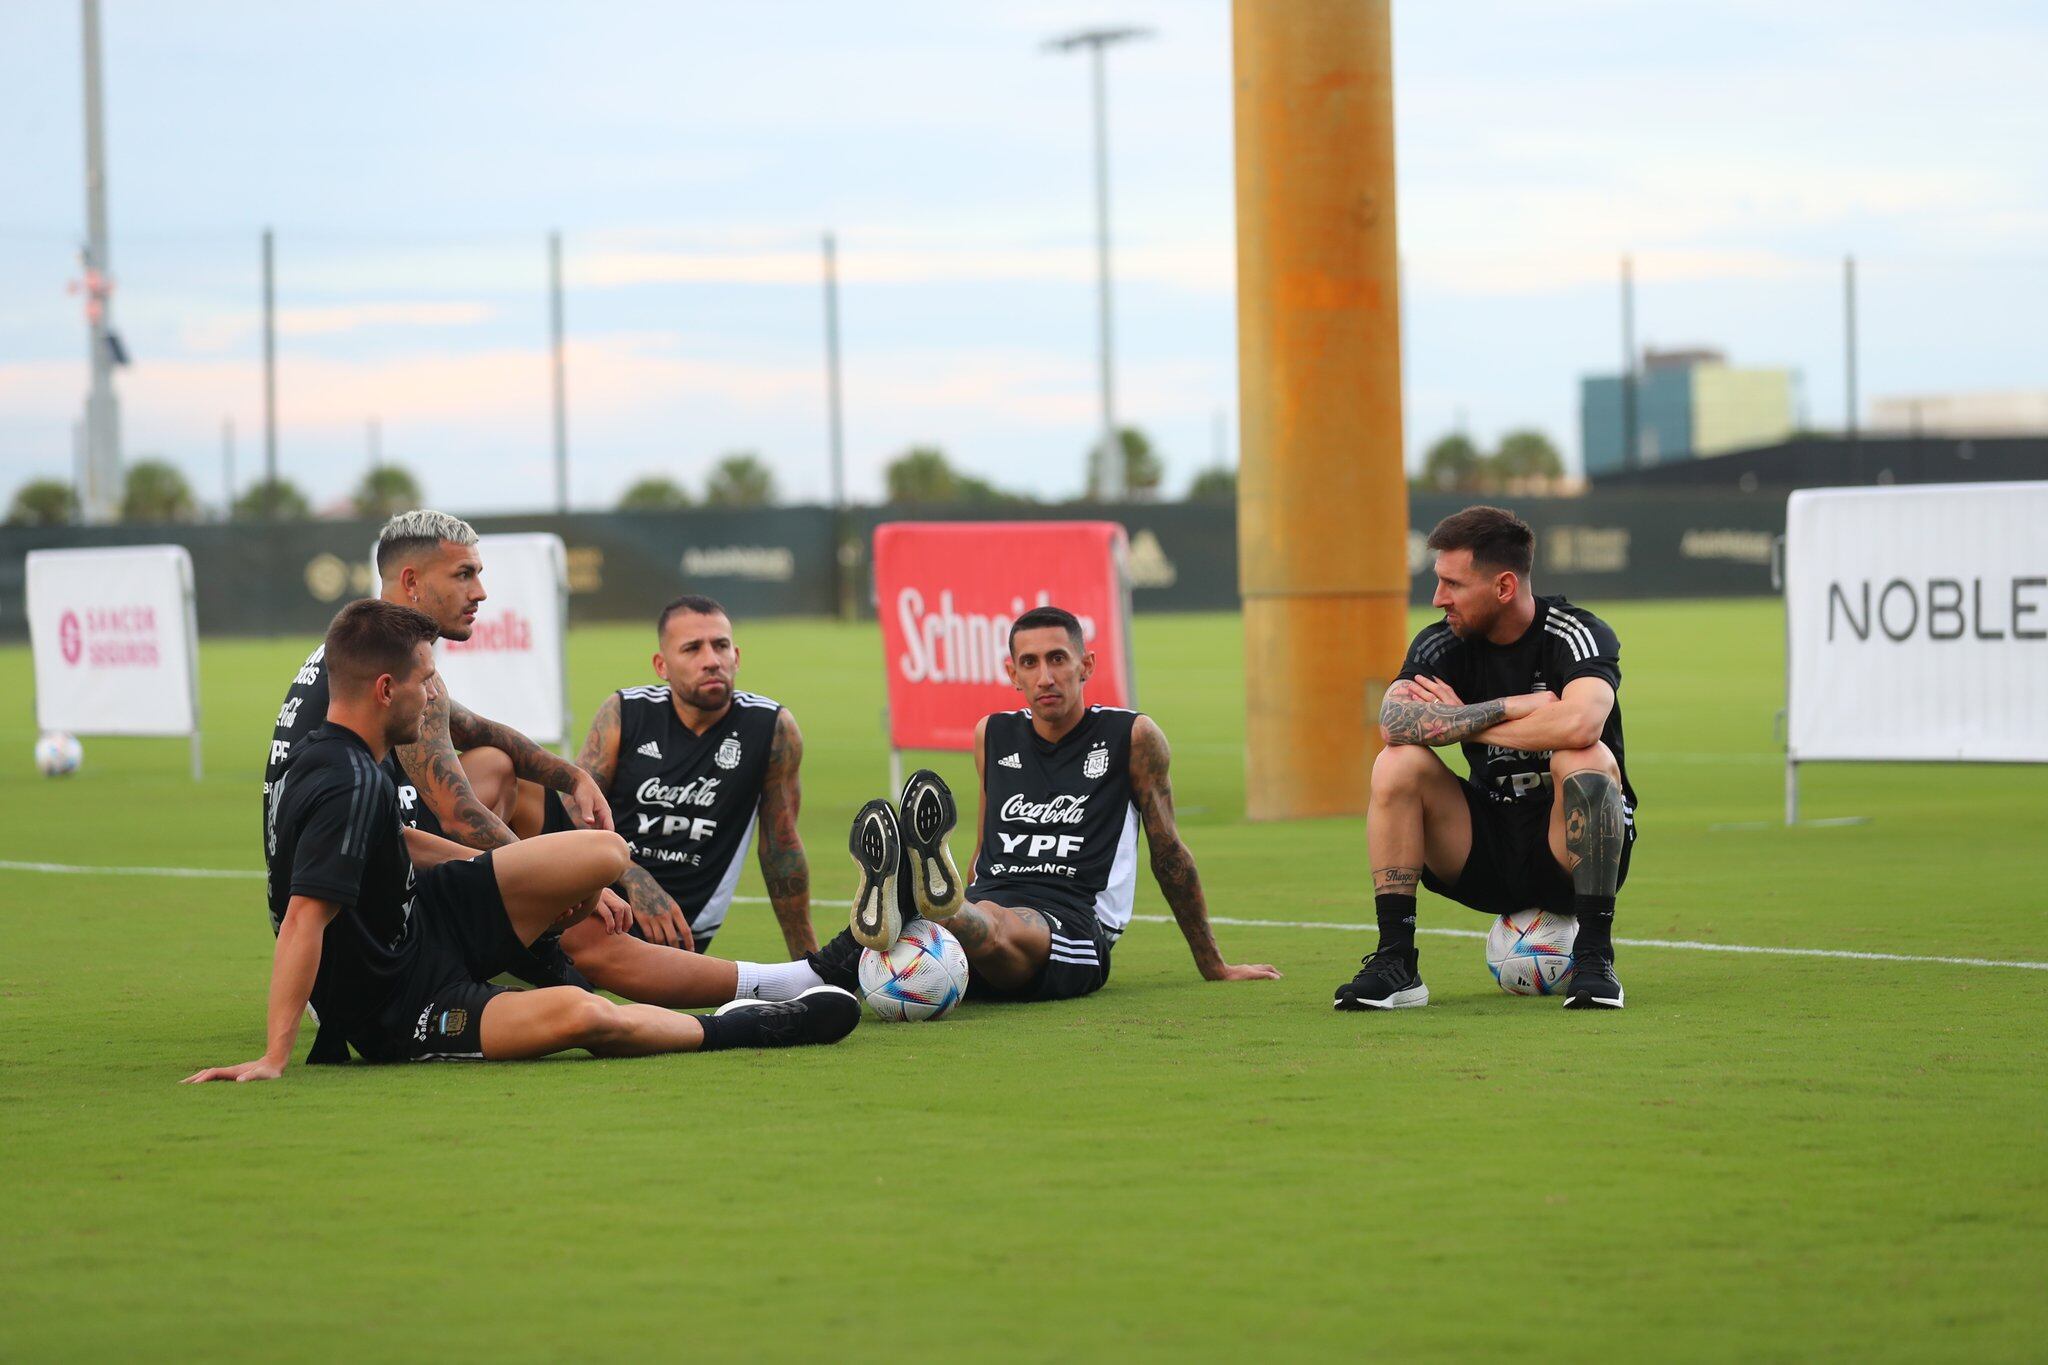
point(505, 632)
point(700, 791)
point(948, 645)
point(1061, 810)
point(109, 637)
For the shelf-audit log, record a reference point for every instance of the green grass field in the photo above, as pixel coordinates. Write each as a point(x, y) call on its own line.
point(1776, 1158)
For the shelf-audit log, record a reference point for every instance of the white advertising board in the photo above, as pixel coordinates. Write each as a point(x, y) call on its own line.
point(1916, 624)
point(114, 640)
point(513, 666)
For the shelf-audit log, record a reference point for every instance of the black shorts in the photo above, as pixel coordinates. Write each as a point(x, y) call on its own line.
point(1510, 867)
point(466, 939)
point(1078, 964)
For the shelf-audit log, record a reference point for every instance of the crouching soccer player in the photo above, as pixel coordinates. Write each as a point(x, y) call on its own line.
point(392, 935)
point(1547, 818)
point(1064, 787)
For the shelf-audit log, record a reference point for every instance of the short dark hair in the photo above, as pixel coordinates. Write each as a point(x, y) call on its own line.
point(1042, 618)
point(695, 603)
point(1498, 539)
point(371, 638)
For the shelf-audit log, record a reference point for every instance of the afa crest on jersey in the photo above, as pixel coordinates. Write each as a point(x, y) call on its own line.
point(728, 755)
point(1097, 762)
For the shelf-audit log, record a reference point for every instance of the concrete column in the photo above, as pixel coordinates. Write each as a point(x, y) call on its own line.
point(1322, 490)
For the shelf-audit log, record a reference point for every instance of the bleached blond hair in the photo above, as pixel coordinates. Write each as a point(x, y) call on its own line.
point(417, 531)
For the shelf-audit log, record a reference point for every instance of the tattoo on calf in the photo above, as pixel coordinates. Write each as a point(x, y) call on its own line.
point(1395, 881)
point(1411, 721)
point(971, 927)
point(1593, 832)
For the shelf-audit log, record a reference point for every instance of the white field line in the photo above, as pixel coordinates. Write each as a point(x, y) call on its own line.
point(1842, 953)
point(69, 869)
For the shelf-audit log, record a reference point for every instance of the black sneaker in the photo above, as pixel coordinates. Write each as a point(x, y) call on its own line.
point(822, 1014)
point(1594, 986)
point(1386, 981)
point(928, 817)
point(876, 845)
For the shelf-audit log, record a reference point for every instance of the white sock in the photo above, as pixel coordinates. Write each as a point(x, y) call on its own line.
point(775, 980)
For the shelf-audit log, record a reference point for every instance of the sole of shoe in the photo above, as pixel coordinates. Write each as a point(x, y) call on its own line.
point(830, 1014)
point(1415, 997)
point(1595, 1002)
point(928, 817)
point(875, 843)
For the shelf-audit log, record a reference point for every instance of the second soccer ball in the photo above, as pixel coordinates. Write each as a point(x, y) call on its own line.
point(923, 977)
point(1530, 952)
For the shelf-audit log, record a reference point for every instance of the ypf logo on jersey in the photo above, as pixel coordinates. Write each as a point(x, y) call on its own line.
point(728, 755)
point(1097, 762)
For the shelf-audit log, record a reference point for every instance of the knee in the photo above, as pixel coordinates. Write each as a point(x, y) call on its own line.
point(1400, 769)
point(1595, 758)
point(489, 771)
point(592, 1020)
point(608, 853)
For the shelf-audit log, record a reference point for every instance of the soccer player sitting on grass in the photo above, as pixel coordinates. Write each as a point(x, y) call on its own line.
point(1064, 787)
point(393, 934)
point(1547, 817)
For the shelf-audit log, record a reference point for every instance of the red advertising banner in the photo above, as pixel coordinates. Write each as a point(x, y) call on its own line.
point(947, 592)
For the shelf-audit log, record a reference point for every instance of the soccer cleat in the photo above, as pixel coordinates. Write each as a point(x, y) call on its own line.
point(822, 1014)
point(928, 817)
point(1386, 981)
point(877, 846)
point(1594, 985)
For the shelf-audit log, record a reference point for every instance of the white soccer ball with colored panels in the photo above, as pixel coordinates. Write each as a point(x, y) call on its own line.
point(1530, 952)
point(923, 977)
point(58, 754)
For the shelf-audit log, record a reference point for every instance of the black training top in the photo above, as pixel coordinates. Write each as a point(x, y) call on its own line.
point(304, 711)
point(332, 833)
point(1058, 828)
point(1563, 642)
point(685, 803)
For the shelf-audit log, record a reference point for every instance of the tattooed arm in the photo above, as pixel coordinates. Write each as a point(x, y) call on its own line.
point(468, 730)
point(437, 773)
point(1411, 715)
point(659, 918)
point(599, 755)
point(1172, 865)
point(783, 865)
point(1575, 722)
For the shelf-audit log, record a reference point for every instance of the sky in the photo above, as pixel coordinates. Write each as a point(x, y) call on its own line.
point(412, 158)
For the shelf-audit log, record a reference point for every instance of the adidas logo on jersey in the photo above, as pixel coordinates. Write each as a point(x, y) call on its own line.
point(1013, 761)
point(650, 748)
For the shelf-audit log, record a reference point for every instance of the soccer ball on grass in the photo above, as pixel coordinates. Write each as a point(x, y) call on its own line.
point(923, 977)
point(58, 754)
point(1530, 952)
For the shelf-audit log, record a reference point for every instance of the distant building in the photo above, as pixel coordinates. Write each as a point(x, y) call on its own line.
point(2016, 412)
point(1689, 404)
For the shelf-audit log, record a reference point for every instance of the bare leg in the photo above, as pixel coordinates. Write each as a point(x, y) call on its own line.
point(489, 771)
point(535, 1023)
point(1417, 819)
point(529, 813)
point(648, 972)
point(542, 879)
point(1006, 944)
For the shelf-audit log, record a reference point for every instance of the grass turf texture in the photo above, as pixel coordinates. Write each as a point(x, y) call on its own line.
point(1772, 1157)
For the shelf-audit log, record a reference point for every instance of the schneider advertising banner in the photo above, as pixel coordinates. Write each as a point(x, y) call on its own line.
point(1917, 623)
point(112, 635)
point(947, 593)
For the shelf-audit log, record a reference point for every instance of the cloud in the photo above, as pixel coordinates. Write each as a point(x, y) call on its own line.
point(228, 331)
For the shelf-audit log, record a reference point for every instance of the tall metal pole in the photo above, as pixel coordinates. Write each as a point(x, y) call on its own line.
point(269, 377)
point(227, 467)
point(560, 374)
point(1109, 462)
point(1631, 441)
point(832, 395)
point(1849, 344)
point(101, 491)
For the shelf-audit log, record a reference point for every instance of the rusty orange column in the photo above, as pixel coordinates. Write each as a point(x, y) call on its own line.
point(1322, 521)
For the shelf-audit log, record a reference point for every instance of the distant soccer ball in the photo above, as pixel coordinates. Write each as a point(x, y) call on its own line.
point(1530, 952)
point(58, 754)
point(923, 977)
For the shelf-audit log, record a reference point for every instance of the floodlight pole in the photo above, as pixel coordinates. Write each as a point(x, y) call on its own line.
point(1109, 464)
point(560, 377)
point(269, 378)
point(100, 491)
point(1630, 439)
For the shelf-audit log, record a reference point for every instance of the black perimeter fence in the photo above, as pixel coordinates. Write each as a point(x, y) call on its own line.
point(289, 578)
